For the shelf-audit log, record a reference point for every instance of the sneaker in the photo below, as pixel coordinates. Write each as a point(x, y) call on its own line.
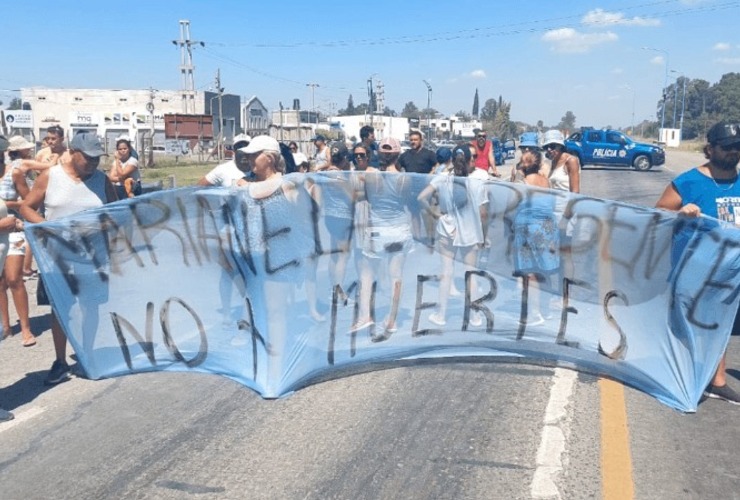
point(59, 373)
point(437, 319)
point(724, 392)
point(5, 415)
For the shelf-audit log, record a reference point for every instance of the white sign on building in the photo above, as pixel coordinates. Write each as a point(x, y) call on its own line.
point(17, 118)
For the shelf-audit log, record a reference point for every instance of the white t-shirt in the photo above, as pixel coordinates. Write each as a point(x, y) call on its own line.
point(225, 175)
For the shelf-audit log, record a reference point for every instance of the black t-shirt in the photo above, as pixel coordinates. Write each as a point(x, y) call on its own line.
point(421, 161)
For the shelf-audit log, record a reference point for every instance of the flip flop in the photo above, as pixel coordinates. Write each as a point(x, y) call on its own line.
point(361, 325)
point(29, 342)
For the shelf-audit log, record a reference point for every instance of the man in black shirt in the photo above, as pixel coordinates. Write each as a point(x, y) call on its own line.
point(418, 159)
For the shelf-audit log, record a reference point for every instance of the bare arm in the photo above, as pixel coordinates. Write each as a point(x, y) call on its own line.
point(32, 202)
point(573, 167)
point(671, 200)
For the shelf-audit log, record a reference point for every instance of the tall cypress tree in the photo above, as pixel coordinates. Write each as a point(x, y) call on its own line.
point(475, 104)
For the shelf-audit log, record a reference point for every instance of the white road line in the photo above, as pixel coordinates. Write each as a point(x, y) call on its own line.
point(553, 441)
point(22, 417)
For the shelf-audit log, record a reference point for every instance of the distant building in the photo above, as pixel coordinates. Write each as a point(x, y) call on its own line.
point(111, 113)
point(255, 117)
point(385, 126)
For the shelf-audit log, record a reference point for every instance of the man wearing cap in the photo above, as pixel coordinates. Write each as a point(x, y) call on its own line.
point(711, 189)
point(73, 185)
point(227, 174)
point(418, 159)
point(322, 158)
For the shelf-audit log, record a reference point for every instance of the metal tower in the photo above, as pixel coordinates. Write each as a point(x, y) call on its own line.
point(186, 67)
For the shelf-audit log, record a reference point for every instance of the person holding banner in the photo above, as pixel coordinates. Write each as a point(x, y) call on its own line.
point(73, 185)
point(713, 190)
point(536, 235)
point(387, 235)
point(459, 215)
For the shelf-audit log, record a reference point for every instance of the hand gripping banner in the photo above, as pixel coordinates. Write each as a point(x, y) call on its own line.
point(280, 285)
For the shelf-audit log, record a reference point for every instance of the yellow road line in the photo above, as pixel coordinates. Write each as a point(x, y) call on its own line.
point(616, 459)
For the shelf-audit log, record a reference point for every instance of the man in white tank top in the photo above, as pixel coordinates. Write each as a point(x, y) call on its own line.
point(69, 187)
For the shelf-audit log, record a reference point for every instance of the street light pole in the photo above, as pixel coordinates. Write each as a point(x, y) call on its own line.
point(665, 84)
point(429, 105)
point(313, 106)
point(632, 126)
point(683, 104)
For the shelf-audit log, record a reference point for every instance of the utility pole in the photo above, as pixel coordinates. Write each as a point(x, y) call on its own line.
point(220, 90)
point(313, 106)
point(429, 107)
point(186, 67)
point(150, 108)
point(371, 99)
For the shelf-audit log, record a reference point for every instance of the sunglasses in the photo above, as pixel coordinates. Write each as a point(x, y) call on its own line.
point(550, 147)
point(361, 156)
point(482, 136)
point(293, 148)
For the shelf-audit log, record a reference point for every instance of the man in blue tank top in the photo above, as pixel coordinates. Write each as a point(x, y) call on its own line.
point(712, 189)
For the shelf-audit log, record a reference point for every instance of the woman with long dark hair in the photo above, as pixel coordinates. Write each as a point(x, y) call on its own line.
point(459, 215)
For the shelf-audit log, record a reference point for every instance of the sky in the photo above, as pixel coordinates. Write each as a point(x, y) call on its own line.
point(605, 61)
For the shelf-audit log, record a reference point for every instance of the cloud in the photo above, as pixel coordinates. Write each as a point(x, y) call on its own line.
point(602, 17)
point(729, 61)
point(657, 60)
point(617, 71)
point(476, 74)
point(568, 40)
point(721, 46)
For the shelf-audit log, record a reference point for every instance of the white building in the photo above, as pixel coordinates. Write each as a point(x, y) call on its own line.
point(111, 113)
point(385, 126)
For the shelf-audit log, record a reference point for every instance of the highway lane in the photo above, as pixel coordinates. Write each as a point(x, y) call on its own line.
point(444, 430)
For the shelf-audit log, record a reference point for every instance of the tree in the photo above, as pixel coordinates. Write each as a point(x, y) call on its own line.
point(410, 110)
point(350, 109)
point(389, 112)
point(15, 103)
point(464, 116)
point(475, 104)
point(488, 113)
point(540, 125)
point(567, 122)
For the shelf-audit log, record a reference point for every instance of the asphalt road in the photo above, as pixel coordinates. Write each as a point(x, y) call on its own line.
point(448, 430)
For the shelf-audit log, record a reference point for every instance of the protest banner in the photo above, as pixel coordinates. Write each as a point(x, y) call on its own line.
point(213, 280)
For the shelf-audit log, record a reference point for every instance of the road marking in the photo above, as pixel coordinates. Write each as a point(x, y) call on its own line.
point(616, 459)
point(21, 417)
point(552, 443)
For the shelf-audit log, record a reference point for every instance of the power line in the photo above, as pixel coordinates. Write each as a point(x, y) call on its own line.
point(483, 32)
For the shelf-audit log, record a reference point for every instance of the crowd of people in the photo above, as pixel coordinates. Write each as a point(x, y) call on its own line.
point(376, 213)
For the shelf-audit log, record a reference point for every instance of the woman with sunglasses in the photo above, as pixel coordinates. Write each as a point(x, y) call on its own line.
point(565, 172)
point(461, 208)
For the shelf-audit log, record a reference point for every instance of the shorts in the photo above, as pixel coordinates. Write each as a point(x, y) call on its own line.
point(380, 240)
point(17, 243)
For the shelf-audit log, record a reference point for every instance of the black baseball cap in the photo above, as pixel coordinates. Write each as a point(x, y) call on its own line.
point(724, 134)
